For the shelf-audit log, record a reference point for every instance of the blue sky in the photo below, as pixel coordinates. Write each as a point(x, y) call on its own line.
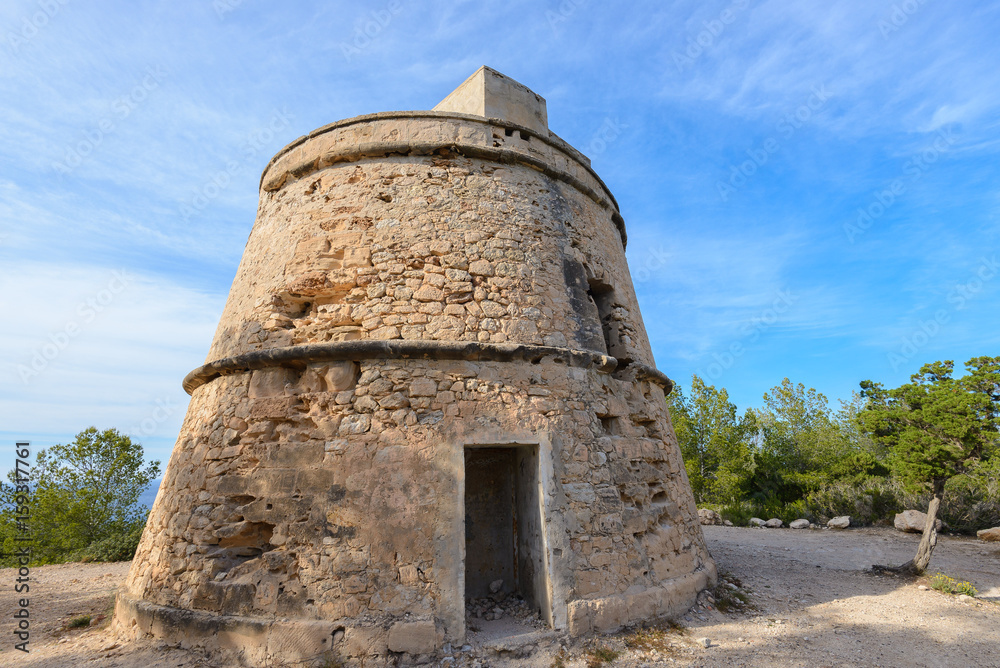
point(811, 188)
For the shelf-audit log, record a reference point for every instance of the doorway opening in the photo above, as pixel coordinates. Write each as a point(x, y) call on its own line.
point(504, 547)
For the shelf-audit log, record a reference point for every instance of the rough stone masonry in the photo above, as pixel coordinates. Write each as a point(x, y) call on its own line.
point(431, 374)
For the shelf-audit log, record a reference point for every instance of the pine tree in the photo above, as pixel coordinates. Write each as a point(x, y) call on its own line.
point(937, 427)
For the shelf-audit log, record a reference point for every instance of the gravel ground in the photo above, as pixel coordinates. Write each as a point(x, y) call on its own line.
point(817, 607)
point(812, 605)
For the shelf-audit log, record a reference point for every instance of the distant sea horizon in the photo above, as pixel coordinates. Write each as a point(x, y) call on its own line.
point(147, 497)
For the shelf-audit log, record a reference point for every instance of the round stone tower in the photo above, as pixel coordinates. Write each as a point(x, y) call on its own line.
point(431, 376)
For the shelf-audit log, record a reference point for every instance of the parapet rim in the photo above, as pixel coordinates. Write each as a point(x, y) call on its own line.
point(551, 138)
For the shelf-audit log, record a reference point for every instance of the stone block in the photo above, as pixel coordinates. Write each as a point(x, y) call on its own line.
point(340, 376)
point(271, 382)
point(423, 387)
point(580, 618)
point(355, 424)
point(489, 94)
point(300, 641)
point(609, 613)
point(580, 492)
point(413, 637)
point(274, 408)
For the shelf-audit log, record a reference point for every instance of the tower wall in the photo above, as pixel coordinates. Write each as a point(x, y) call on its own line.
point(417, 285)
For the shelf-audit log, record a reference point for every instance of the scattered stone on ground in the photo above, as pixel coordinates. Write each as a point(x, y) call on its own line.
point(841, 522)
point(800, 524)
point(774, 523)
point(913, 521)
point(757, 522)
point(501, 606)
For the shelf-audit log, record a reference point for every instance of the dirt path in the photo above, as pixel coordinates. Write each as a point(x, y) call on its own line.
point(60, 594)
point(815, 607)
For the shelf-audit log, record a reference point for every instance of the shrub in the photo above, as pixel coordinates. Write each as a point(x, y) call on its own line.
point(950, 585)
point(866, 502)
point(600, 655)
point(120, 547)
point(78, 622)
point(970, 503)
point(739, 513)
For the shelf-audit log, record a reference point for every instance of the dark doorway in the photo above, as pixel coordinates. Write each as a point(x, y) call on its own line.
point(503, 525)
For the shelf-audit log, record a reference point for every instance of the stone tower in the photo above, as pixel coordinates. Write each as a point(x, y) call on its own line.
point(431, 374)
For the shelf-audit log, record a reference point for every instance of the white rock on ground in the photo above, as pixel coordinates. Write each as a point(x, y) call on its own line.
point(799, 524)
point(841, 522)
point(756, 522)
point(774, 523)
point(912, 521)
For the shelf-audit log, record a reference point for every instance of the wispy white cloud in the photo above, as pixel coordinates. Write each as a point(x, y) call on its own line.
point(99, 346)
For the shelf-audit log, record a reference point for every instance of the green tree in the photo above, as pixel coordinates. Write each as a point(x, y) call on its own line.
point(861, 457)
point(797, 441)
point(937, 427)
point(803, 446)
point(84, 492)
point(711, 439)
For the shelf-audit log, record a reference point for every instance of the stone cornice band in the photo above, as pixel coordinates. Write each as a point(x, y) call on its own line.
point(350, 351)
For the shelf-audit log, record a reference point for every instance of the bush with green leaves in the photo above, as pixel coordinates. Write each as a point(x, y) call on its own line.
point(120, 547)
point(869, 501)
point(740, 512)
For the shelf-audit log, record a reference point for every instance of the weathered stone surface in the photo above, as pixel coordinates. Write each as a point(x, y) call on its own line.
point(799, 524)
point(271, 382)
point(989, 535)
point(774, 523)
point(757, 522)
point(413, 637)
point(340, 376)
point(708, 517)
point(913, 521)
point(419, 286)
point(841, 522)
